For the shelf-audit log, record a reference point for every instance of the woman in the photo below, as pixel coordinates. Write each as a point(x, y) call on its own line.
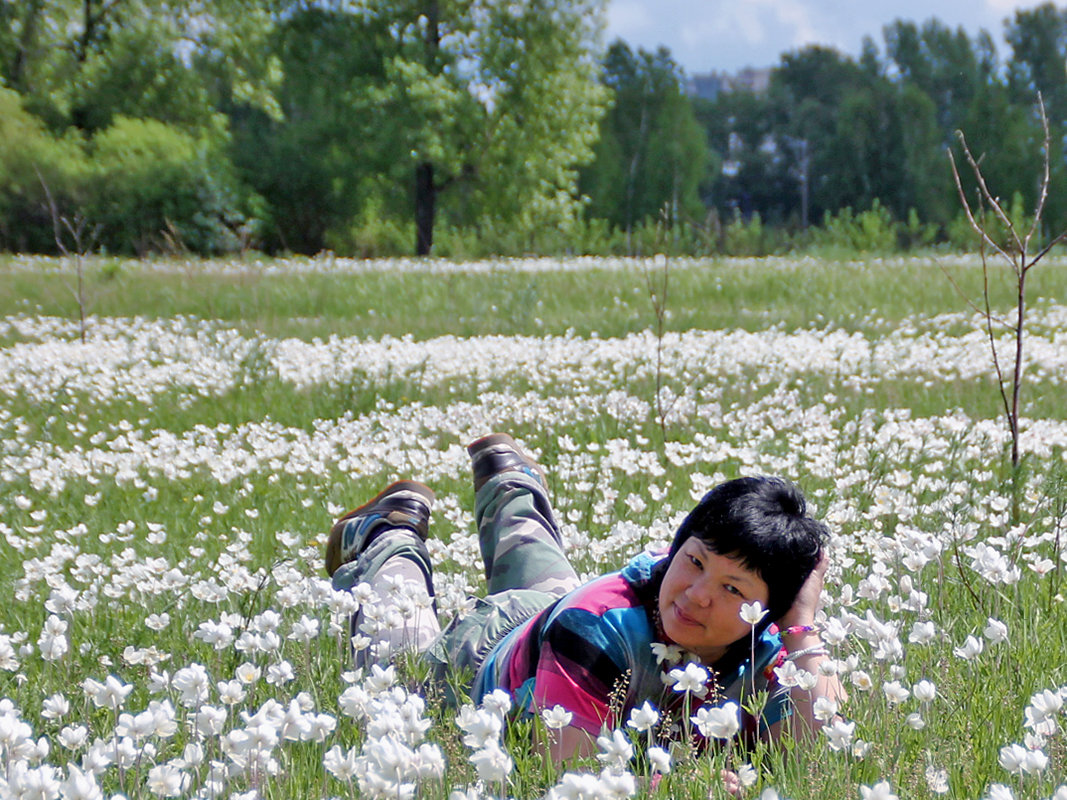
point(602, 649)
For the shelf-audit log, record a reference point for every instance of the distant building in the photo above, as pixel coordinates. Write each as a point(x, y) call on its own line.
point(711, 84)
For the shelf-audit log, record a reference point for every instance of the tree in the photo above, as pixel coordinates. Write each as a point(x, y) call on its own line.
point(652, 153)
point(1038, 40)
point(944, 64)
point(848, 116)
point(499, 99)
point(314, 162)
point(82, 62)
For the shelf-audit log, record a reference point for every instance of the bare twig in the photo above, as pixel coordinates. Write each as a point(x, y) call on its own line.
point(77, 231)
point(1016, 253)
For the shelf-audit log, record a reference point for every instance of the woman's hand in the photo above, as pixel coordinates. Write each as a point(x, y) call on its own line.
point(807, 601)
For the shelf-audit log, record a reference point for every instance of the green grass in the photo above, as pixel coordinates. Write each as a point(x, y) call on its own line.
point(750, 295)
point(848, 445)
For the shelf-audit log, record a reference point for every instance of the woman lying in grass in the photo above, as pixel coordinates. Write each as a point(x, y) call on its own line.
point(587, 655)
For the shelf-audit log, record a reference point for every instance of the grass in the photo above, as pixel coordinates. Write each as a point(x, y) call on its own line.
point(237, 485)
point(707, 294)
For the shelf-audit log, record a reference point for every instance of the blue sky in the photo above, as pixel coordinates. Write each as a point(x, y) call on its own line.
point(727, 35)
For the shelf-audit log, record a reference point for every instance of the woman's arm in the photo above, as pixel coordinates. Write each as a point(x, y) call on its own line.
point(802, 615)
point(566, 744)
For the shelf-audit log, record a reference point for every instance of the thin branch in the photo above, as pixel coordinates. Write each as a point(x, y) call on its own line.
point(967, 301)
point(1039, 209)
point(1049, 246)
point(990, 198)
point(985, 237)
point(54, 211)
point(993, 338)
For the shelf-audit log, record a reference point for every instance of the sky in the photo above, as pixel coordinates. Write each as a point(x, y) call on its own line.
point(728, 35)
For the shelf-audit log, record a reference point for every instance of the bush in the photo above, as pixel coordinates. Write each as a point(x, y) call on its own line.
point(157, 187)
point(28, 156)
point(962, 236)
point(373, 235)
point(871, 231)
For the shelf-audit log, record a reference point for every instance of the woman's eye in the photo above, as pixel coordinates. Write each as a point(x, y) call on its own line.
point(695, 562)
point(733, 589)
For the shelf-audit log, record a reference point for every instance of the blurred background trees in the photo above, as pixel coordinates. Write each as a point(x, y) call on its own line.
point(471, 127)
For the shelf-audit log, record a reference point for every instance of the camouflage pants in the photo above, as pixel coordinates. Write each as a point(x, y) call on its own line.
point(525, 571)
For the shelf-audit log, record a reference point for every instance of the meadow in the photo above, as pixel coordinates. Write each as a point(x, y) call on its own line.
point(167, 484)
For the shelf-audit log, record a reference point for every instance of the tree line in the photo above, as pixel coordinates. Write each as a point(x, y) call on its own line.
point(474, 127)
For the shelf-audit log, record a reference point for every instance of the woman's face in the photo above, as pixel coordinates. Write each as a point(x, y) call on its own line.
point(700, 599)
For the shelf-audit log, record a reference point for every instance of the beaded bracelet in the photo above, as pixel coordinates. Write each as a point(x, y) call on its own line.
point(817, 650)
point(795, 629)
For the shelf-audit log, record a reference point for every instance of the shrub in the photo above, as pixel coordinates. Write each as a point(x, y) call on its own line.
point(870, 231)
point(29, 154)
point(157, 187)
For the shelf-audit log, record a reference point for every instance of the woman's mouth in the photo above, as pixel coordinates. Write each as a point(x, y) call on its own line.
point(682, 617)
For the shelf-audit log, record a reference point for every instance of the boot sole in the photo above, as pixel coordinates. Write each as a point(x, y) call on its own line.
point(333, 543)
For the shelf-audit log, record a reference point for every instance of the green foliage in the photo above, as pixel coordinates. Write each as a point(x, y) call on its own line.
point(372, 235)
point(744, 237)
point(870, 231)
point(32, 159)
point(651, 154)
point(155, 186)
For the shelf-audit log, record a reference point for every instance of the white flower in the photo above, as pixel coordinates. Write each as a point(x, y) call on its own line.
point(557, 717)
point(341, 763)
point(166, 780)
point(862, 681)
point(999, 791)
point(53, 640)
point(80, 785)
point(915, 721)
point(753, 612)
point(112, 693)
point(73, 737)
point(497, 702)
point(895, 693)
point(643, 717)
point(615, 749)
point(668, 654)
point(193, 684)
point(280, 673)
point(718, 723)
point(1012, 757)
point(481, 726)
point(247, 673)
point(924, 691)
point(1040, 715)
point(491, 763)
point(922, 633)
point(55, 707)
point(617, 784)
point(824, 709)
point(1035, 762)
point(880, 791)
point(787, 674)
point(770, 793)
point(839, 733)
point(747, 775)
point(996, 631)
point(970, 649)
point(693, 679)
point(659, 759)
point(937, 779)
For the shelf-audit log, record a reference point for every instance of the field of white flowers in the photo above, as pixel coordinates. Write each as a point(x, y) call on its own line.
point(167, 630)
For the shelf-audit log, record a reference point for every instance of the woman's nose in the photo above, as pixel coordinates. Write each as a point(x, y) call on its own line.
point(700, 592)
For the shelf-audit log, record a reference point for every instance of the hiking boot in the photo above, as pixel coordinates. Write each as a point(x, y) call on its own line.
point(498, 453)
point(404, 504)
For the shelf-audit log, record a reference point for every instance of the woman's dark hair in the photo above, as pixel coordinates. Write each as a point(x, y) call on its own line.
point(763, 523)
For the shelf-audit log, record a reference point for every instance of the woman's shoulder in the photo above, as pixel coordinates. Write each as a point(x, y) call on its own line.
point(642, 568)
